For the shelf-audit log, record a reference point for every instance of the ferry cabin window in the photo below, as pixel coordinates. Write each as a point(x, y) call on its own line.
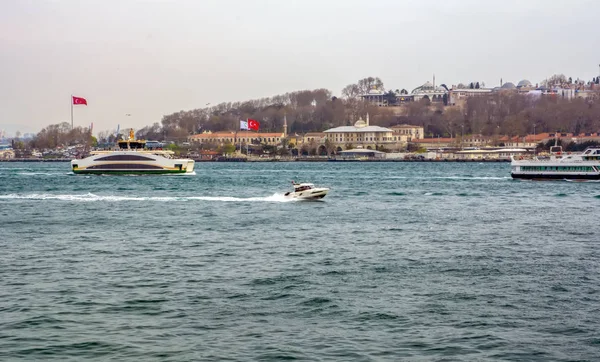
point(559, 169)
point(124, 158)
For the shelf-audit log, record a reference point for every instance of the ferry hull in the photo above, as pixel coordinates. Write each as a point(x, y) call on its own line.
point(555, 177)
point(131, 163)
point(129, 172)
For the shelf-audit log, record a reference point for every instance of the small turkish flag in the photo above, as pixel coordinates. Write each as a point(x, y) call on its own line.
point(253, 125)
point(79, 100)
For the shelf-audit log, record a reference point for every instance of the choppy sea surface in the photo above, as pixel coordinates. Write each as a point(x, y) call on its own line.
point(401, 261)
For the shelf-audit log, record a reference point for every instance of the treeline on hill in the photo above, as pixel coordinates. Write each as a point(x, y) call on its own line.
point(500, 113)
point(60, 135)
point(507, 113)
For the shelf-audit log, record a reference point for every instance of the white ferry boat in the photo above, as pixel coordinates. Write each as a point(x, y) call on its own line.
point(132, 157)
point(559, 166)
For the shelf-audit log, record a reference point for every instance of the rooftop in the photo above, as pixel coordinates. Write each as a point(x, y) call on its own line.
point(361, 150)
point(235, 134)
point(350, 129)
point(435, 140)
point(405, 126)
point(428, 88)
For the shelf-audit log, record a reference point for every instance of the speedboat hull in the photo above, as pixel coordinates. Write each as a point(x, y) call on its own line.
point(312, 194)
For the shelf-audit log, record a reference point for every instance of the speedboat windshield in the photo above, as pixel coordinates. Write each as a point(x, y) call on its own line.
point(303, 187)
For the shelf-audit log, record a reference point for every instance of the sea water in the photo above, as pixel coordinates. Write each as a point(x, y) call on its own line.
point(401, 261)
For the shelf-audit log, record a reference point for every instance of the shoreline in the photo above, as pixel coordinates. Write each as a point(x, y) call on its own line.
point(300, 159)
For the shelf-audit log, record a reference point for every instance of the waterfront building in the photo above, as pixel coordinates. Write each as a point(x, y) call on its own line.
point(408, 132)
point(364, 135)
point(517, 141)
point(6, 151)
point(490, 154)
point(240, 137)
point(314, 137)
point(436, 143)
point(245, 137)
point(476, 140)
point(362, 153)
point(310, 138)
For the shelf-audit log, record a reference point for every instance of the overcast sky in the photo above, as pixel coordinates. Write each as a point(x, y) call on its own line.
point(151, 58)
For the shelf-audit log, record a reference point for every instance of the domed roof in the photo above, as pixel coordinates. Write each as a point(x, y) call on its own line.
point(427, 85)
point(429, 88)
point(524, 83)
point(508, 85)
point(375, 91)
point(360, 123)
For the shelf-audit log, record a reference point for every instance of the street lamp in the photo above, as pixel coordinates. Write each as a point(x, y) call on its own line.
point(534, 140)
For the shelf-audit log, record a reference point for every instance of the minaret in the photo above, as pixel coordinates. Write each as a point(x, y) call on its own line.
point(284, 126)
point(367, 119)
point(434, 81)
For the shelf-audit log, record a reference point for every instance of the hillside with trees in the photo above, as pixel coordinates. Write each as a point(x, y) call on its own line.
point(508, 113)
point(498, 113)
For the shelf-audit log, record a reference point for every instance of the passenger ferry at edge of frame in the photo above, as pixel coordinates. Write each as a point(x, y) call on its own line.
point(559, 166)
point(132, 157)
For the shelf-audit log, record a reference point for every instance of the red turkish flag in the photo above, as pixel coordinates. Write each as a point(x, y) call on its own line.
point(79, 100)
point(253, 125)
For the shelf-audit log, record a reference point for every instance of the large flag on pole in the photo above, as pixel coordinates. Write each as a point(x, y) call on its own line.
point(76, 101)
point(253, 125)
point(243, 125)
point(79, 100)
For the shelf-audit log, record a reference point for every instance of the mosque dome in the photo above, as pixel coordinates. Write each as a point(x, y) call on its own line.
point(360, 123)
point(524, 83)
point(508, 85)
point(429, 88)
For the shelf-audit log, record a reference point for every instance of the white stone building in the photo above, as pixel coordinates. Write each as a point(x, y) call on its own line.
point(364, 135)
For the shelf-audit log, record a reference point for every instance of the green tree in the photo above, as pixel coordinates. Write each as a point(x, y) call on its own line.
point(390, 97)
point(173, 147)
point(228, 148)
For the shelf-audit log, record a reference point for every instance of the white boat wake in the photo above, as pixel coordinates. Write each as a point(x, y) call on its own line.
point(89, 197)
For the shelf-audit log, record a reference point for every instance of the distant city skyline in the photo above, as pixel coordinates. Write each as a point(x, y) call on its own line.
point(152, 58)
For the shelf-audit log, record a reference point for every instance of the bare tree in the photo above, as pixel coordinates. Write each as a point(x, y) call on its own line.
point(351, 91)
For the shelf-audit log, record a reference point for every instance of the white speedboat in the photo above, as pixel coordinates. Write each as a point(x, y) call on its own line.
point(132, 157)
point(306, 191)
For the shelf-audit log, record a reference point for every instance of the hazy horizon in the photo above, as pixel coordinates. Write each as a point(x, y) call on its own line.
point(152, 58)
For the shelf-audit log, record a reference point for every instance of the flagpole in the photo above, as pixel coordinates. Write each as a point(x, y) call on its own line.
point(71, 111)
